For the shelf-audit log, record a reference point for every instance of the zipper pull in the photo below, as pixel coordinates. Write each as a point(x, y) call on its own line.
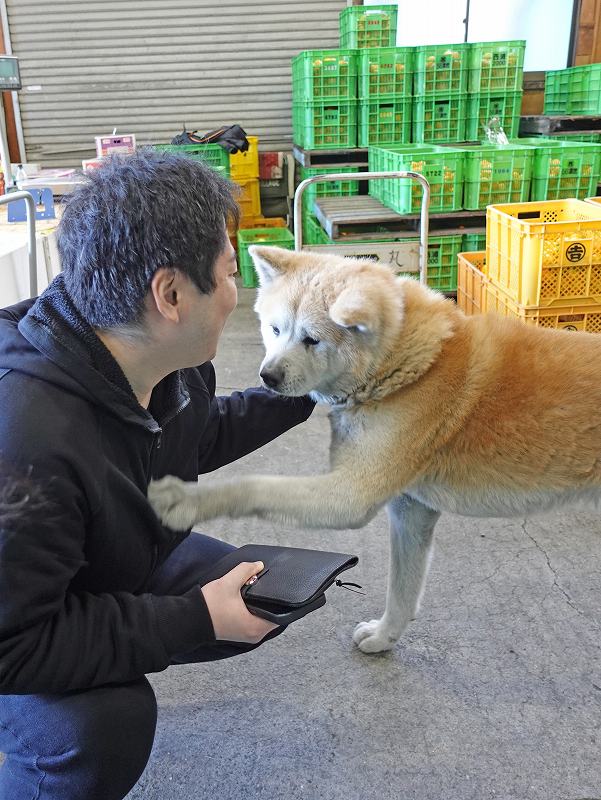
point(347, 585)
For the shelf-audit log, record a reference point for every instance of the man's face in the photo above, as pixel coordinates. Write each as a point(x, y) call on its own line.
point(209, 312)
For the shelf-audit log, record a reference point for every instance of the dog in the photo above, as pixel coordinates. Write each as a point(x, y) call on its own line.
point(431, 411)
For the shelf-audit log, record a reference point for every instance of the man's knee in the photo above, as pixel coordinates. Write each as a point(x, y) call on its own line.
point(116, 740)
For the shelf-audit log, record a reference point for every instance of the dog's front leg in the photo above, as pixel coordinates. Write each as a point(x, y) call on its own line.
point(338, 499)
point(411, 539)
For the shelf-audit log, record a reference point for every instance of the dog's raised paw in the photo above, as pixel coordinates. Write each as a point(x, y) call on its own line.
point(370, 637)
point(174, 502)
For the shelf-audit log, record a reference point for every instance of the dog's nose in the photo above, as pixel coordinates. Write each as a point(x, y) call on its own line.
point(271, 378)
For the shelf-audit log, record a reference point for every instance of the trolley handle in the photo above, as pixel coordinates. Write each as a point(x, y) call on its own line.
point(367, 176)
point(31, 245)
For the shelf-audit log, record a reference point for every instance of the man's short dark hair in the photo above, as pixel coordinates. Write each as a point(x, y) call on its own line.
point(133, 215)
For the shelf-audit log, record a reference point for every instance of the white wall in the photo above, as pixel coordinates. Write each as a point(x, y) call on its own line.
point(544, 24)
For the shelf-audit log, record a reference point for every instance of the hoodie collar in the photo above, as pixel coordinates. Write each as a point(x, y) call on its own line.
point(55, 327)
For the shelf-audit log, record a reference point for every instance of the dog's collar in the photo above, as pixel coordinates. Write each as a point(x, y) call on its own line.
point(375, 389)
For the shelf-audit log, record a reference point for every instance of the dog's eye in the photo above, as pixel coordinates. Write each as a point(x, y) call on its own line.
point(310, 342)
point(276, 331)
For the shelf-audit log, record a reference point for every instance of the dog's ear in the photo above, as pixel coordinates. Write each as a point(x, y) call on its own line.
point(352, 309)
point(271, 262)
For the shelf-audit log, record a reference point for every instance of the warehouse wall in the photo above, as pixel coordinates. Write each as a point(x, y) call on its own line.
point(148, 66)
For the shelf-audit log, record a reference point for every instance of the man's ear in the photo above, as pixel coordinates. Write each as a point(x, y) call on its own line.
point(353, 309)
point(165, 288)
point(271, 262)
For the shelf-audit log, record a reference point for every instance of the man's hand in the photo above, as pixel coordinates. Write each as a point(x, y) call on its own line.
point(232, 621)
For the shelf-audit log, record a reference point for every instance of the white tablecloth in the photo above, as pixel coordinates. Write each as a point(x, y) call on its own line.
point(14, 261)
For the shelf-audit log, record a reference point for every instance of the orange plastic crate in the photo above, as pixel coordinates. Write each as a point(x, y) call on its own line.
point(477, 293)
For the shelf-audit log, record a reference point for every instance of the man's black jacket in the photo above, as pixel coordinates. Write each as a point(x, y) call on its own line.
point(74, 606)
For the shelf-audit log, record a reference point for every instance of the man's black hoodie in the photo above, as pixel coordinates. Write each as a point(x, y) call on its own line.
point(75, 610)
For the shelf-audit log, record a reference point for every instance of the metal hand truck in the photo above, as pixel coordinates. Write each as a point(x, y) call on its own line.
point(405, 247)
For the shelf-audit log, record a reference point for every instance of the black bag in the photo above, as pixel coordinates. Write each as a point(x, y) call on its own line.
point(232, 138)
point(293, 582)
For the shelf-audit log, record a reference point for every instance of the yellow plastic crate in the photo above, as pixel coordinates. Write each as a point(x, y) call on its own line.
point(246, 165)
point(477, 293)
point(594, 200)
point(545, 253)
point(249, 198)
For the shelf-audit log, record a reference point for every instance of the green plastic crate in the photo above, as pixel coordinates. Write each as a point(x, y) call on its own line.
point(473, 242)
point(580, 137)
point(482, 107)
point(384, 122)
point(313, 233)
point(324, 126)
point(440, 69)
point(368, 26)
point(443, 167)
point(584, 89)
point(563, 169)
point(385, 72)
point(273, 237)
point(497, 174)
point(557, 91)
point(213, 154)
point(442, 262)
point(439, 119)
point(327, 188)
point(495, 66)
point(324, 75)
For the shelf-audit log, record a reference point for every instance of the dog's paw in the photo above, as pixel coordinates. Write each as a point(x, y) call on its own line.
point(175, 502)
point(371, 637)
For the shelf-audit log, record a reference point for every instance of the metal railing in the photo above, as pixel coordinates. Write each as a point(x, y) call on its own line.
point(367, 176)
point(31, 244)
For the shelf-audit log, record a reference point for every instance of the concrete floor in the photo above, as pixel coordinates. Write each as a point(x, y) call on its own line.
point(494, 692)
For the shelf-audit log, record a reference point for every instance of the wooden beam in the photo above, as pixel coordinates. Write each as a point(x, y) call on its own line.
point(9, 111)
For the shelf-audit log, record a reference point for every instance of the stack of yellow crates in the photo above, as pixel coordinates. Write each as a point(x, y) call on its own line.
point(542, 265)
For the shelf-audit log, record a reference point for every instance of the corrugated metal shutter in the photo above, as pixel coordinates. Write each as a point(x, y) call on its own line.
point(148, 66)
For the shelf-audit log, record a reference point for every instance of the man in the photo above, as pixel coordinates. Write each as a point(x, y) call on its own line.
point(100, 392)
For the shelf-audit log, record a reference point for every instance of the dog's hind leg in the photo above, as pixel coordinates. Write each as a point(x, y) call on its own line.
point(411, 539)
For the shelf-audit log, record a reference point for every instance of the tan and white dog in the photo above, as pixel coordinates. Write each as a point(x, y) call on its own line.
point(430, 411)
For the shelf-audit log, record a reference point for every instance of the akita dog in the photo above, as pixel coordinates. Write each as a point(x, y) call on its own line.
point(431, 411)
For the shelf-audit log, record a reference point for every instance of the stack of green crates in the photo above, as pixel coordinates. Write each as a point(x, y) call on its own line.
point(440, 92)
point(368, 26)
point(563, 169)
point(575, 90)
point(495, 80)
point(324, 99)
point(385, 77)
point(443, 167)
point(213, 154)
point(271, 237)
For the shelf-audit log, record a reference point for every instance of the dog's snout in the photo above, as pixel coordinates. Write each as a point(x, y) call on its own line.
point(272, 377)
